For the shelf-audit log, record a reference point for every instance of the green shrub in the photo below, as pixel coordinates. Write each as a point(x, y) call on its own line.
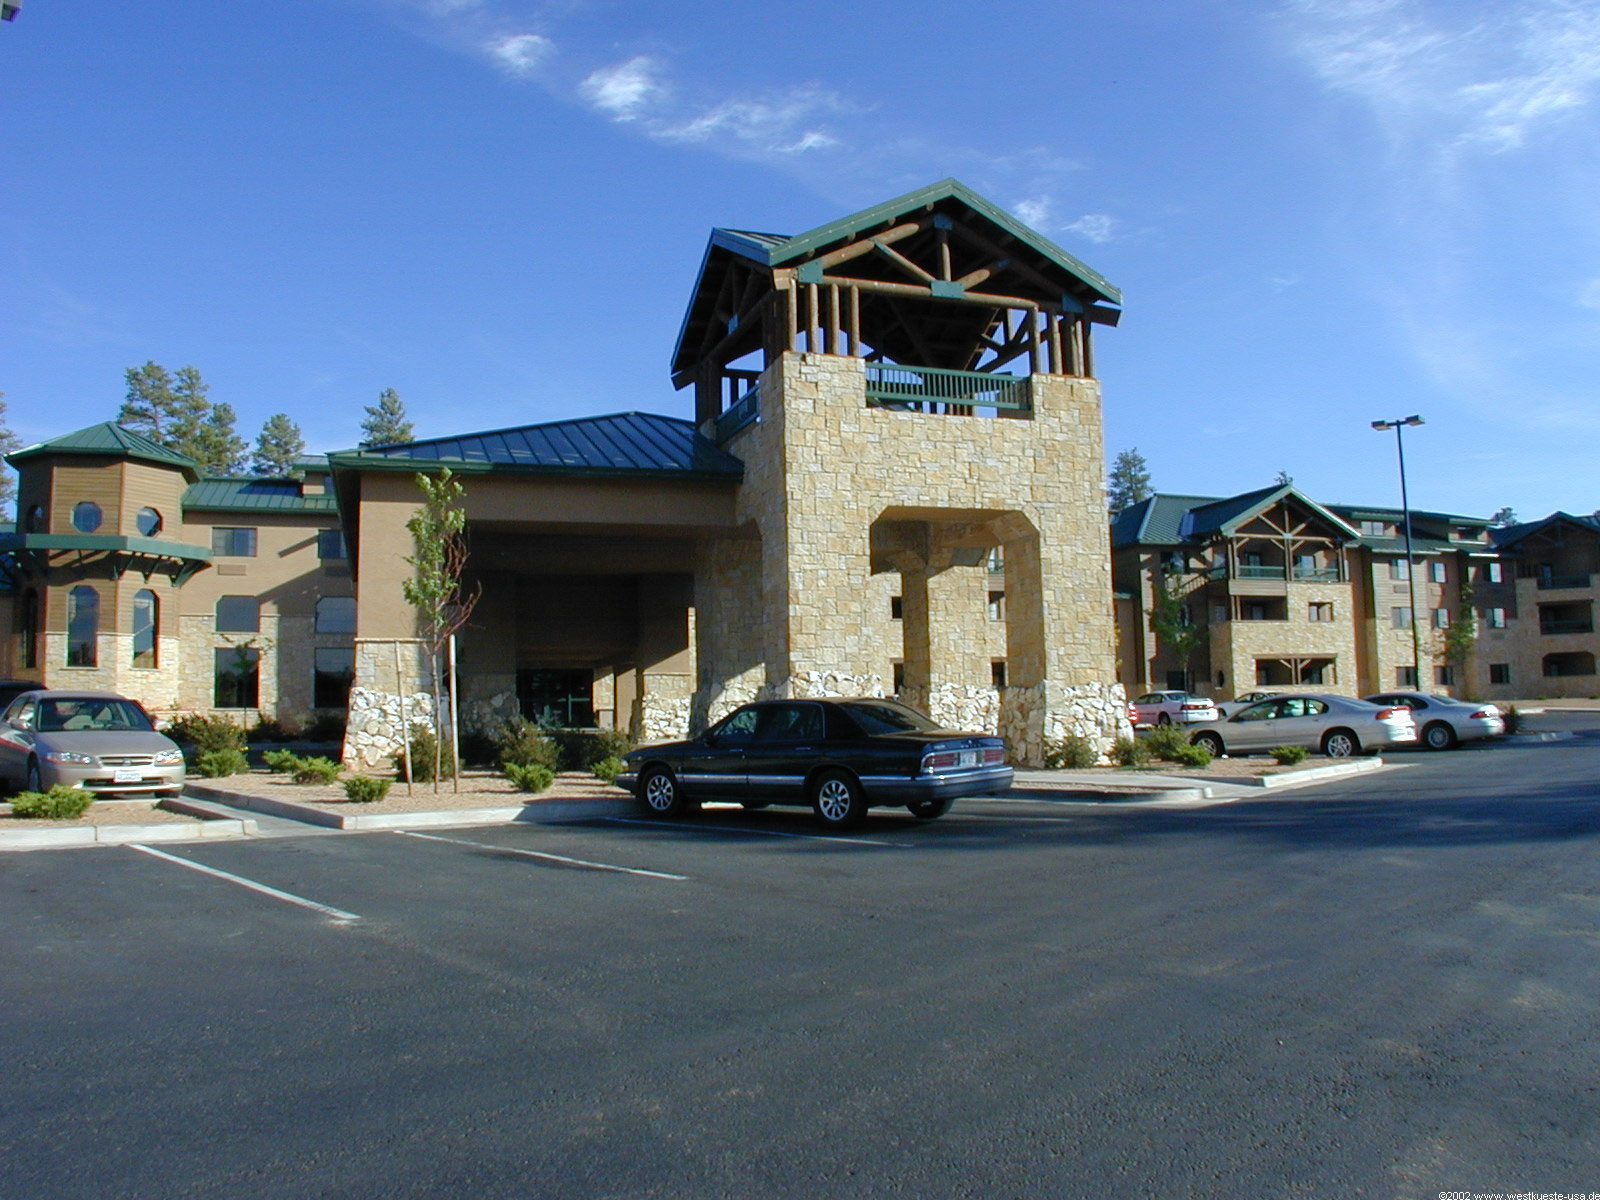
point(607, 769)
point(1074, 752)
point(529, 778)
point(324, 726)
point(479, 749)
point(1190, 756)
point(364, 789)
point(202, 735)
point(580, 749)
point(1513, 719)
point(268, 729)
point(216, 764)
point(316, 770)
point(422, 749)
point(525, 744)
point(1165, 741)
point(60, 803)
point(281, 762)
point(1129, 752)
point(1287, 756)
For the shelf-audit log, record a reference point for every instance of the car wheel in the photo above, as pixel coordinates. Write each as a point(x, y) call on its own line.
point(35, 780)
point(1164, 719)
point(837, 800)
point(1341, 743)
point(928, 810)
point(1439, 736)
point(660, 794)
point(1211, 741)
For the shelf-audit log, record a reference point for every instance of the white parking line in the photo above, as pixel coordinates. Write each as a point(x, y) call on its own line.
point(809, 837)
point(338, 914)
point(557, 858)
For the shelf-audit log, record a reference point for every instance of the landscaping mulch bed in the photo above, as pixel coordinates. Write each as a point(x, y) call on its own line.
point(479, 789)
point(102, 812)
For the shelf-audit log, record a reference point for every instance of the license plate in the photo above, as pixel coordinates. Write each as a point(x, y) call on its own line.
point(126, 775)
point(967, 758)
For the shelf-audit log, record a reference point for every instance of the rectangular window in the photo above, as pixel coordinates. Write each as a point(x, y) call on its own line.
point(1444, 676)
point(238, 614)
point(1441, 618)
point(997, 672)
point(997, 606)
point(1405, 677)
point(897, 673)
point(228, 542)
point(1496, 618)
point(1400, 617)
point(1494, 572)
point(1374, 528)
point(1322, 610)
point(330, 544)
point(1400, 568)
point(335, 671)
point(238, 677)
point(1499, 672)
point(897, 608)
point(336, 614)
point(1436, 572)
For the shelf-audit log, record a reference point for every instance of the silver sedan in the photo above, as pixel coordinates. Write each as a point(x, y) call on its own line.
point(1339, 726)
point(1444, 720)
point(98, 741)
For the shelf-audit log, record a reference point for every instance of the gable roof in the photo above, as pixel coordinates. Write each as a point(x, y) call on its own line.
point(1510, 535)
point(623, 444)
point(110, 440)
point(254, 495)
point(1164, 520)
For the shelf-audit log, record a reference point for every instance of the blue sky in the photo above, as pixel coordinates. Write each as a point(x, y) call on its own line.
point(1320, 212)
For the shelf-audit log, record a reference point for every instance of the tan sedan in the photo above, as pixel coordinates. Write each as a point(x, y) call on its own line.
point(98, 741)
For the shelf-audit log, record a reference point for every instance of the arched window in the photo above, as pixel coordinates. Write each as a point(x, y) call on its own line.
point(146, 628)
point(148, 522)
point(83, 627)
point(35, 520)
point(86, 516)
point(29, 629)
point(238, 614)
point(336, 614)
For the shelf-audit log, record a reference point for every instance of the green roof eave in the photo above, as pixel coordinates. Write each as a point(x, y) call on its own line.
point(108, 440)
point(846, 227)
point(356, 461)
point(111, 543)
point(1229, 527)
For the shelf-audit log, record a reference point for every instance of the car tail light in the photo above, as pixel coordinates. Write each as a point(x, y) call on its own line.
point(1390, 714)
point(943, 760)
point(1484, 714)
point(994, 754)
point(1196, 707)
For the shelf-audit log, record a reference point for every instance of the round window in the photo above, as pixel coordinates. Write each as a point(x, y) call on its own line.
point(148, 522)
point(86, 516)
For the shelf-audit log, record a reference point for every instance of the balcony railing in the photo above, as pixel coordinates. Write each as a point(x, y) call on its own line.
point(1250, 572)
point(739, 414)
point(1554, 582)
point(936, 389)
point(1316, 574)
point(1573, 625)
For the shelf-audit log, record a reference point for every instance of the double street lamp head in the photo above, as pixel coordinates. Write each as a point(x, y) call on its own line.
point(1397, 422)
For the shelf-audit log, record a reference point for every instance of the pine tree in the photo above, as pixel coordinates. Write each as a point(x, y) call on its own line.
point(386, 423)
point(1506, 516)
point(277, 446)
point(215, 446)
point(8, 442)
point(1284, 479)
point(1129, 482)
point(149, 406)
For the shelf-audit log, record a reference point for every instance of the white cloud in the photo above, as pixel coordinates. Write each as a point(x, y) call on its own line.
point(623, 90)
point(1035, 212)
point(519, 53)
point(784, 124)
point(1097, 227)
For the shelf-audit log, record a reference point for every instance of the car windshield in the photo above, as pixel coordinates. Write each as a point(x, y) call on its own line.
point(886, 716)
point(69, 716)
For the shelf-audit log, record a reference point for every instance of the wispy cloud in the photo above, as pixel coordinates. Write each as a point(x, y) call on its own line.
point(784, 124)
point(519, 53)
point(624, 90)
point(1097, 227)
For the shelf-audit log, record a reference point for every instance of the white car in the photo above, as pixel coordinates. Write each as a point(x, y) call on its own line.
point(1228, 707)
point(1339, 726)
point(1170, 708)
point(1444, 720)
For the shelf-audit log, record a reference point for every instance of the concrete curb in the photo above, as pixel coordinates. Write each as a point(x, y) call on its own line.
point(531, 811)
point(1529, 739)
point(116, 835)
point(1363, 766)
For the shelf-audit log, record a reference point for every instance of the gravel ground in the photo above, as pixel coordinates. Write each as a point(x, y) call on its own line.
point(103, 812)
point(479, 789)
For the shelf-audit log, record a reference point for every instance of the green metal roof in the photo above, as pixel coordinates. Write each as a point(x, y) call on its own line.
point(1510, 535)
point(1165, 520)
point(622, 444)
point(110, 440)
point(254, 495)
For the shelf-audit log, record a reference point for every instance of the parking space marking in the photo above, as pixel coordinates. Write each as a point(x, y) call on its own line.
point(338, 914)
point(809, 837)
point(556, 858)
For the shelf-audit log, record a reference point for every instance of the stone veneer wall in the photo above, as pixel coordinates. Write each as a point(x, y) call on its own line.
point(781, 608)
point(373, 734)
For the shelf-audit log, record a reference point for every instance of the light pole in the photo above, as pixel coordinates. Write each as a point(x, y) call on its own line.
point(1398, 424)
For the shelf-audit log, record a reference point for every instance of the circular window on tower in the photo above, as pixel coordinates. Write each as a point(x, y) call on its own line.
point(86, 516)
point(148, 522)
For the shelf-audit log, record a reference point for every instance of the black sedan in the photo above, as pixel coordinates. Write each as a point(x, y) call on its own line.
point(841, 757)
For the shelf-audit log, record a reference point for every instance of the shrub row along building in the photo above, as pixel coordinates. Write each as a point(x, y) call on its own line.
point(866, 502)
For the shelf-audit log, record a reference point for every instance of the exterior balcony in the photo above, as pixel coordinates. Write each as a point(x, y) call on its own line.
point(1565, 583)
point(947, 392)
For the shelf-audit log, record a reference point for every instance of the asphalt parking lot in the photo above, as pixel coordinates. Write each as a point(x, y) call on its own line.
point(1384, 986)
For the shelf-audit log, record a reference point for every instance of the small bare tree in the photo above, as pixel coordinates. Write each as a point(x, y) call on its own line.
point(439, 531)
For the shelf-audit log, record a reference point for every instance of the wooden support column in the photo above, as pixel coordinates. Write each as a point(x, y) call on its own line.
point(1033, 342)
point(813, 317)
point(1052, 343)
point(832, 346)
point(1088, 352)
point(791, 312)
point(855, 322)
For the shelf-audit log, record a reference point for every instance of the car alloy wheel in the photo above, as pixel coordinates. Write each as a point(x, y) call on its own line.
point(1341, 743)
point(1439, 736)
point(35, 780)
point(660, 793)
point(838, 801)
point(1210, 741)
point(1164, 719)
